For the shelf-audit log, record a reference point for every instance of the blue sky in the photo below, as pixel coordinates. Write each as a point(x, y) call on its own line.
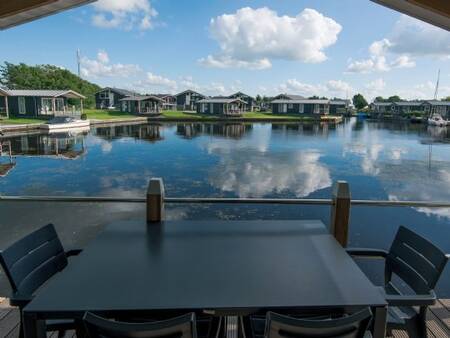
point(332, 48)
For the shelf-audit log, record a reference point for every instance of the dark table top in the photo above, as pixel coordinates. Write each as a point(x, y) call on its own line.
point(209, 265)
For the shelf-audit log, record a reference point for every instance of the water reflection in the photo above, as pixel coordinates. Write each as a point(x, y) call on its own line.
point(146, 132)
point(57, 145)
point(234, 130)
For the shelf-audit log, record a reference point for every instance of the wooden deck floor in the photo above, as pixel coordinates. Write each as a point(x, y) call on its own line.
point(438, 321)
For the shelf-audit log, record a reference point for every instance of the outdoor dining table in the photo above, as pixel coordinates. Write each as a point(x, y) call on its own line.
point(221, 267)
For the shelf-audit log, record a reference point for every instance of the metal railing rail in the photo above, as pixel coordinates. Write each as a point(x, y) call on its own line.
point(340, 203)
point(220, 200)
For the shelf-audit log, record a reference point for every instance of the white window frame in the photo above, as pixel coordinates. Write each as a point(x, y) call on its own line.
point(22, 105)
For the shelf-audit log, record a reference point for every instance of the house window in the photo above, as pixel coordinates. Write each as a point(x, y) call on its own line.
point(47, 106)
point(290, 106)
point(282, 108)
point(301, 108)
point(22, 106)
point(59, 104)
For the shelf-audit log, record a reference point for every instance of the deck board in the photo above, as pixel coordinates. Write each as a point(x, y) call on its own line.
point(438, 322)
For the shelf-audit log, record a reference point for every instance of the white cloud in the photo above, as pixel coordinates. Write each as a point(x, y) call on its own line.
point(339, 88)
point(331, 88)
point(403, 61)
point(414, 37)
point(101, 67)
point(160, 81)
point(225, 61)
point(250, 38)
point(410, 38)
point(377, 62)
point(124, 14)
point(376, 85)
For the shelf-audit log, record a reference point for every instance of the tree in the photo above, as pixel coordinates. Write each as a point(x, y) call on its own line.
point(359, 101)
point(22, 76)
point(446, 98)
point(394, 98)
point(380, 99)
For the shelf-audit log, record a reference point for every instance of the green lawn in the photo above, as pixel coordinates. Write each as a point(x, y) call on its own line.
point(21, 120)
point(173, 114)
point(97, 114)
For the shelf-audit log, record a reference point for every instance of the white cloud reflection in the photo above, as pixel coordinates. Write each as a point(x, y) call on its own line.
point(253, 174)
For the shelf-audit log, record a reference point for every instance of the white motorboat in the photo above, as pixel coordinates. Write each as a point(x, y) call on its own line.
point(59, 124)
point(437, 120)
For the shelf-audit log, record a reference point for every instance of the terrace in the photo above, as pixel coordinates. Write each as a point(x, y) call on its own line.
point(220, 269)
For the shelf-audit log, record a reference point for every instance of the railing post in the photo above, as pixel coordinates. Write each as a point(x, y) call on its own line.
point(340, 212)
point(155, 200)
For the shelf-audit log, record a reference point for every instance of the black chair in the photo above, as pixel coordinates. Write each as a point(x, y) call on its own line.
point(29, 263)
point(418, 264)
point(179, 327)
point(347, 326)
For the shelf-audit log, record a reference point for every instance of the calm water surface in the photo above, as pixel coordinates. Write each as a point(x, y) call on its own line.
point(380, 161)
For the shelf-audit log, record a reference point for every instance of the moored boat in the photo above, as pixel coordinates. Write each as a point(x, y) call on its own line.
point(65, 123)
point(437, 120)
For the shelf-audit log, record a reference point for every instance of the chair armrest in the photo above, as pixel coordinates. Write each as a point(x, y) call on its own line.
point(74, 252)
point(411, 300)
point(20, 300)
point(368, 253)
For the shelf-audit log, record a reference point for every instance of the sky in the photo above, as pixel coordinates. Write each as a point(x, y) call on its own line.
point(217, 47)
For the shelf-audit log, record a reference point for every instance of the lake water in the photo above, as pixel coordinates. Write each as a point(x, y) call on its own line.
point(379, 160)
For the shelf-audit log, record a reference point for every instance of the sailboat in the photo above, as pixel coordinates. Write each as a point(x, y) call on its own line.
point(436, 119)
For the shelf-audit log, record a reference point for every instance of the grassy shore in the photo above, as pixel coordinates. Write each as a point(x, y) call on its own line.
point(98, 114)
point(170, 115)
point(21, 120)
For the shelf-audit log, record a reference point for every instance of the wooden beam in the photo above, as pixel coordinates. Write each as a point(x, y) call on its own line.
point(155, 200)
point(340, 212)
point(435, 12)
point(15, 12)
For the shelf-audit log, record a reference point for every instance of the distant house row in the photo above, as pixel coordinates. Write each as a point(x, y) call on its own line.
point(405, 107)
point(190, 100)
point(32, 103)
point(125, 100)
point(296, 104)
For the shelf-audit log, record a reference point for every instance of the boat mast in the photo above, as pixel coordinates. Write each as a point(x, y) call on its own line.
point(437, 85)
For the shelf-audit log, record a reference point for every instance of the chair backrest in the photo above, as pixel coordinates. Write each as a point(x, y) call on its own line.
point(179, 327)
point(351, 326)
point(415, 260)
point(32, 260)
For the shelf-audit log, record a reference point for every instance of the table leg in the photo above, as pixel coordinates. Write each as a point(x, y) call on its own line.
point(380, 318)
point(33, 328)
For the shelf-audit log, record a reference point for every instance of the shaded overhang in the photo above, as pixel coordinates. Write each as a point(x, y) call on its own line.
point(435, 12)
point(16, 12)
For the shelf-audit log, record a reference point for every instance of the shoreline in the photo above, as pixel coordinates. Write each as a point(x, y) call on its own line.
point(9, 128)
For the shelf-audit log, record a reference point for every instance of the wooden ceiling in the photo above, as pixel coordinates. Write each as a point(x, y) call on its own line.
point(16, 12)
point(435, 12)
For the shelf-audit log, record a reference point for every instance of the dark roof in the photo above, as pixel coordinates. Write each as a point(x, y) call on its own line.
point(191, 91)
point(120, 91)
point(408, 103)
point(45, 93)
point(141, 98)
point(438, 103)
point(304, 101)
point(240, 94)
point(290, 96)
point(340, 102)
point(220, 100)
point(162, 95)
point(376, 103)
